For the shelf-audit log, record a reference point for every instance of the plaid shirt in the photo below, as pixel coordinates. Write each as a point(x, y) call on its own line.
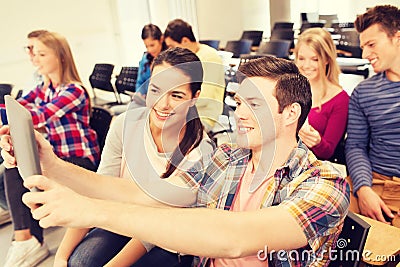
point(311, 190)
point(64, 114)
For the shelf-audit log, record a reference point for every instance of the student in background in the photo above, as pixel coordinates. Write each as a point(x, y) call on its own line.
point(210, 104)
point(269, 193)
point(154, 41)
point(37, 79)
point(316, 59)
point(171, 131)
point(373, 132)
point(60, 108)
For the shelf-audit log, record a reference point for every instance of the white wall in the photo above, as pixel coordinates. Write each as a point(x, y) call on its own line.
point(356, 7)
point(132, 15)
point(109, 30)
point(87, 25)
point(90, 35)
point(345, 9)
point(225, 20)
point(221, 20)
point(255, 14)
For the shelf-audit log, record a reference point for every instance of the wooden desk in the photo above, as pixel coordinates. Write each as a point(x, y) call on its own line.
point(383, 243)
point(254, 48)
point(345, 53)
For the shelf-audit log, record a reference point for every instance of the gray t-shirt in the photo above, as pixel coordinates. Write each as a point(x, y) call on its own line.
point(130, 152)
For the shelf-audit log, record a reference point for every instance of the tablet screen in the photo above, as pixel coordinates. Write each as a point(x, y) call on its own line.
point(23, 138)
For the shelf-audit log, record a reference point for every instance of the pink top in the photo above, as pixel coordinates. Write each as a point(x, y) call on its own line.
point(330, 121)
point(246, 200)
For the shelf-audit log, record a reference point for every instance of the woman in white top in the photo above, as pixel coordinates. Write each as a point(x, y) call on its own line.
point(156, 141)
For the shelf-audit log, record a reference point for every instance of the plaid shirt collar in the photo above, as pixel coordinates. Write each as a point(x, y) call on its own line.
point(298, 161)
point(228, 166)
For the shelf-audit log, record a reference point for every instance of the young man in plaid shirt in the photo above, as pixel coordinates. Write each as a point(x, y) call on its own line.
point(270, 194)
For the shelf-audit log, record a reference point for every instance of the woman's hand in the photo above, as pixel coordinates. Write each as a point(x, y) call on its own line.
point(309, 136)
point(7, 151)
point(46, 154)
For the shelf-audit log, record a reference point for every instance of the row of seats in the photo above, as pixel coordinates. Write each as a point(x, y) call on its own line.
point(277, 47)
point(125, 82)
point(102, 112)
point(5, 89)
point(344, 34)
point(252, 39)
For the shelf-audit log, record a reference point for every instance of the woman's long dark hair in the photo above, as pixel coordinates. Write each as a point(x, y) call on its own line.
point(187, 62)
point(152, 31)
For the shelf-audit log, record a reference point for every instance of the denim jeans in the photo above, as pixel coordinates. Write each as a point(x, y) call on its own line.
point(161, 257)
point(14, 189)
point(21, 215)
point(97, 248)
point(100, 246)
point(3, 199)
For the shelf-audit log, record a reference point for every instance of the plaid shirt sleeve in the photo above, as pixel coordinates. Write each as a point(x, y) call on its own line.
point(217, 184)
point(70, 100)
point(64, 113)
point(202, 175)
point(319, 204)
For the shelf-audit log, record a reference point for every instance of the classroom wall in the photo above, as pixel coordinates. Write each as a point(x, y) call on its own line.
point(221, 26)
point(89, 30)
point(109, 30)
point(345, 9)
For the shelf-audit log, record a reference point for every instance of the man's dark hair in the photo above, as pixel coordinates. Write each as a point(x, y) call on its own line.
point(291, 87)
point(386, 16)
point(177, 29)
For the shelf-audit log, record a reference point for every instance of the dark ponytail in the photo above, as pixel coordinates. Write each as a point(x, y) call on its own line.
point(191, 139)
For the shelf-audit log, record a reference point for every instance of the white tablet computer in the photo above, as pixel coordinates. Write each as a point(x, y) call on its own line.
point(23, 138)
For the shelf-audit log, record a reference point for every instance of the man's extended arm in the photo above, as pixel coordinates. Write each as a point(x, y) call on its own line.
point(222, 233)
point(309, 215)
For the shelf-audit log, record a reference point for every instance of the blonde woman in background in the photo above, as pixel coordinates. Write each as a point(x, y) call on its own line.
point(316, 59)
point(60, 108)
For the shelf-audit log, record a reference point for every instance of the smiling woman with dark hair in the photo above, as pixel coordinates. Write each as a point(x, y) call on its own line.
point(158, 140)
